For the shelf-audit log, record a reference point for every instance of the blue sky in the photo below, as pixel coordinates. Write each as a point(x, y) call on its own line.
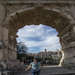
point(39, 37)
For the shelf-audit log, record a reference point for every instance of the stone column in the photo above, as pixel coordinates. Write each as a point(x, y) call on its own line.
point(3, 49)
point(68, 46)
point(5, 39)
point(12, 48)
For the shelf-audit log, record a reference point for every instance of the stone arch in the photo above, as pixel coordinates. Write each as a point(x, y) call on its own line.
point(40, 15)
point(38, 12)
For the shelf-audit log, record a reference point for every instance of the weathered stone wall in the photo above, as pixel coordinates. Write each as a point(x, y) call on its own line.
point(11, 14)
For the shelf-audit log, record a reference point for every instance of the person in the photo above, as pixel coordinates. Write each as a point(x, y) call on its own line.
point(34, 66)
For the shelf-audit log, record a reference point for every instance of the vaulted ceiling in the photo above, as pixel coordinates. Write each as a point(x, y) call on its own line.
point(37, 16)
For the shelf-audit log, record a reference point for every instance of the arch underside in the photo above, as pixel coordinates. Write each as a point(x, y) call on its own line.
point(38, 16)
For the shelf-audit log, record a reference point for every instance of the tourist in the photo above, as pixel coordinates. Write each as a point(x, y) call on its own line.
point(34, 66)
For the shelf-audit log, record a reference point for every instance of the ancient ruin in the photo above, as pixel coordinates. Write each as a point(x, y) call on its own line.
point(14, 14)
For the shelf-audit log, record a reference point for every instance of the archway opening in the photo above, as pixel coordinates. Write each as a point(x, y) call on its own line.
point(37, 16)
point(41, 41)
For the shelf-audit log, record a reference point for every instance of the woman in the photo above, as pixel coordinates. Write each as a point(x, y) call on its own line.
point(35, 67)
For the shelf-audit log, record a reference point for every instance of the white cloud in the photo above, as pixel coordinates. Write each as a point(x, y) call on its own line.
point(45, 37)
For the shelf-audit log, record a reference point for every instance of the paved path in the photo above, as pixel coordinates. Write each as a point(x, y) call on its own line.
point(53, 71)
point(48, 71)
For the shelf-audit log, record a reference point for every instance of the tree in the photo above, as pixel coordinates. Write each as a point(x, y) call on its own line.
point(21, 48)
point(21, 51)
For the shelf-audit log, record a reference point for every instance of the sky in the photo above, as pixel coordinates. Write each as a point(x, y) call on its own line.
point(38, 38)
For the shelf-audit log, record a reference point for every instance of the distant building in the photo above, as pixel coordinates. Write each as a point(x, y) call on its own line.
point(47, 53)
